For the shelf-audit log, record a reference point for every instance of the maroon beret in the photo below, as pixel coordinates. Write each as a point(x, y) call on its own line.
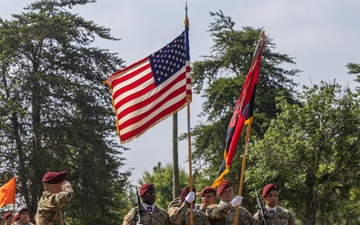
point(145, 187)
point(23, 210)
point(7, 215)
point(222, 186)
point(268, 188)
point(185, 192)
point(17, 217)
point(54, 177)
point(208, 189)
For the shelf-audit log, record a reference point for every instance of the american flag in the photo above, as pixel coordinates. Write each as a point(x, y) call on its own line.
point(151, 89)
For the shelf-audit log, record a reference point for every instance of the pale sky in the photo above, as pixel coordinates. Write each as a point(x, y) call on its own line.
point(322, 35)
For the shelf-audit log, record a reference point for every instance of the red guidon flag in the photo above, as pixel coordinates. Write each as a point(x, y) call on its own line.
point(243, 112)
point(151, 89)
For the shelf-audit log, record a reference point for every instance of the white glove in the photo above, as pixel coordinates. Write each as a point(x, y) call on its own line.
point(236, 201)
point(190, 197)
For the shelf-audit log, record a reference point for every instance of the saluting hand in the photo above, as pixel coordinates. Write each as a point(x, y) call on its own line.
point(190, 197)
point(66, 185)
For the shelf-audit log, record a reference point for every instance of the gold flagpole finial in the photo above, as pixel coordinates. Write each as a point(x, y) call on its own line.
point(186, 16)
point(262, 36)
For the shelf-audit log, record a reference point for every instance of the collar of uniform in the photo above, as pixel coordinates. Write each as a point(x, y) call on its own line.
point(222, 203)
point(270, 208)
point(146, 206)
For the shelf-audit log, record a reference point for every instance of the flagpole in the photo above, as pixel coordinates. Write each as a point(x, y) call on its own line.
point(175, 157)
point(13, 214)
point(190, 160)
point(243, 168)
point(186, 22)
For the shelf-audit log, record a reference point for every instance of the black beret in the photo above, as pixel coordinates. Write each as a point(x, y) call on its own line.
point(54, 177)
point(268, 188)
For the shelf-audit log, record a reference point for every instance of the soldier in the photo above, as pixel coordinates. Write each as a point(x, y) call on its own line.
point(16, 217)
point(57, 193)
point(23, 217)
point(208, 197)
point(148, 211)
point(273, 213)
point(8, 218)
point(224, 213)
point(179, 209)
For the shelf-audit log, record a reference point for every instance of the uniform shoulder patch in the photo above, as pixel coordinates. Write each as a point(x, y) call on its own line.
point(130, 216)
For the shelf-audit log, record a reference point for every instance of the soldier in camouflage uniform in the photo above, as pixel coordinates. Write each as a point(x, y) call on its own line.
point(179, 210)
point(58, 192)
point(208, 197)
point(23, 217)
point(225, 212)
point(274, 214)
point(150, 214)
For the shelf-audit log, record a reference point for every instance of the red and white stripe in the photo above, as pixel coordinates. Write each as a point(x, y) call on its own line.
point(140, 104)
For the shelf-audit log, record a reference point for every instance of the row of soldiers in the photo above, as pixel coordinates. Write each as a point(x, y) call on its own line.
point(208, 212)
point(21, 218)
point(58, 191)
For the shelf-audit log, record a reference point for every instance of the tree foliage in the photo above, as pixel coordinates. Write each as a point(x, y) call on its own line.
point(354, 69)
point(55, 112)
point(311, 150)
point(162, 178)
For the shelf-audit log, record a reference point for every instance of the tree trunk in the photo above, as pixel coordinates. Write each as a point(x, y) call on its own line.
point(311, 211)
point(175, 157)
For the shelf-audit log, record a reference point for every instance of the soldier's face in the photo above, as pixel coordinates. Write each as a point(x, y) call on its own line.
point(208, 198)
point(227, 194)
point(272, 198)
point(8, 221)
point(149, 197)
point(24, 217)
point(57, 188)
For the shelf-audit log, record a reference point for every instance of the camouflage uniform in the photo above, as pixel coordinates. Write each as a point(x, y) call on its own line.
point(20, 223)
point(282, 216)
point(201, 207)
point(50, 207)
point(224, 214)
point(180, 215)
point(159, 216)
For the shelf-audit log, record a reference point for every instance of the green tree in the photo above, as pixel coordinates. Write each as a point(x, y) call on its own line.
point(161, 177)
point(55, 112)
point(353, 68)
point(219, 79)
point(311, 150)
